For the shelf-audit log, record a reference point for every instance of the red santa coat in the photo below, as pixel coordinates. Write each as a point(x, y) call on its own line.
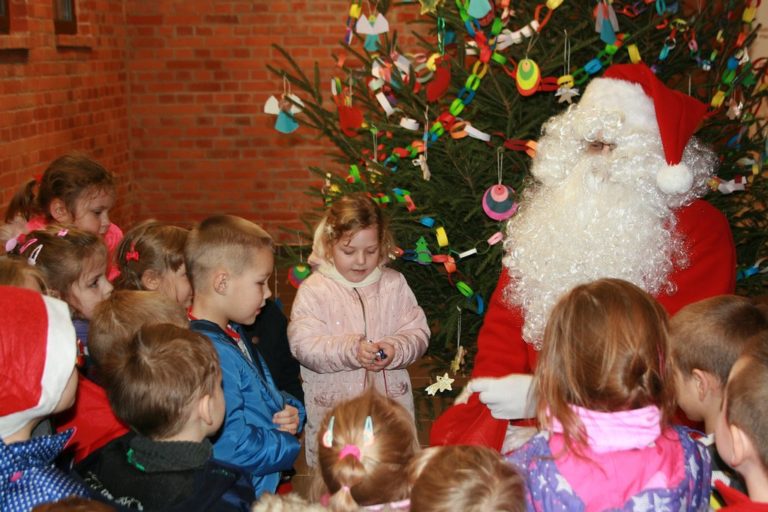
point(502, 350)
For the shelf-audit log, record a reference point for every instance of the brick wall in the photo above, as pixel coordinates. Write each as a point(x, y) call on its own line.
point(201, 143)
point(169, 94)
point(59, 93)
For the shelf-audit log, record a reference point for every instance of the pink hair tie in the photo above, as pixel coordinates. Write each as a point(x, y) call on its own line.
point(350, 449)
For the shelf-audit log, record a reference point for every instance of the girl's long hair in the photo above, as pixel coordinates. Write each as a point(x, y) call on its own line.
point(605, 349)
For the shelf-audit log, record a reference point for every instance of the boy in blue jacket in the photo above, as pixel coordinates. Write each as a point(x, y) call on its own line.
point(229, 260)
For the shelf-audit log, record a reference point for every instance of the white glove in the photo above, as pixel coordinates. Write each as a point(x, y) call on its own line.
point(463, 397)
point(506, 397)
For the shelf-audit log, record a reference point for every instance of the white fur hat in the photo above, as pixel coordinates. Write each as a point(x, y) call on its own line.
point(37, 354)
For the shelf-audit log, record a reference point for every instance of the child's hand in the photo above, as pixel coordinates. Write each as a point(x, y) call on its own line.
point(366, 354)
point(287, 420)
point(382, 362)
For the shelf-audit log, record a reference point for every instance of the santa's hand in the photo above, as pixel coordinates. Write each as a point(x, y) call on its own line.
point(506, 397)
point(463, 397)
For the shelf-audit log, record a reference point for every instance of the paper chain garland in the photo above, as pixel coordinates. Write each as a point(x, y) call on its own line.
point(487, 47)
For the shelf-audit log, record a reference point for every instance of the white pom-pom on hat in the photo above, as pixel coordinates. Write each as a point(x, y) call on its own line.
point(675, 179)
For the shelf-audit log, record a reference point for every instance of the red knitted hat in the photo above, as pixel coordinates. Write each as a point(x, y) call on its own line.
point(37, 356)
point(678, 116)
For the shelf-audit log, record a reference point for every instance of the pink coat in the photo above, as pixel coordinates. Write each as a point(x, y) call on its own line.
point(326, 323)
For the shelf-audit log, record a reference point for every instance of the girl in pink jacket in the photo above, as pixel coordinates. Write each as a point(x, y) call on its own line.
point(354, 323)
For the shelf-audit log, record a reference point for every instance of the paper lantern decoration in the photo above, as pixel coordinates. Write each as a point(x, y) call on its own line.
point(298, 274)
point(499, 203)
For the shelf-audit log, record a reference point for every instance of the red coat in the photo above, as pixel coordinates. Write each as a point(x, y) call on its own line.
point(92, 418)
point(501, 349)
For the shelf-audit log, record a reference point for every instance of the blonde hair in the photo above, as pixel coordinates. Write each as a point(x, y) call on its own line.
point(747, 396)
point(466, 478)
point(605, 349)
point(223, 240)
point(710, 334)
point(376, 475)
point(157, 375)
point(17, 272)
point(351, 214)
point(149, 246)
point(61, 254)
point(117, 318)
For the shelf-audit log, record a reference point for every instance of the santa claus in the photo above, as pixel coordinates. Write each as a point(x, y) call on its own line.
point(617, 182)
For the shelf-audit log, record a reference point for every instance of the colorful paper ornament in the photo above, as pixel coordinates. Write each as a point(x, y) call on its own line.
point(499, 203)
point(285, 109)
point(298, 274)
point(439, 84)
point(527, 77)
point(423, 256)
point(478, 8)
point(372, 25)
point(429, 6)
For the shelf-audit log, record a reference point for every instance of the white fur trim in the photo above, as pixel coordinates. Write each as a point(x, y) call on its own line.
point(628, 98)
point(675, 179)
point(60, 353)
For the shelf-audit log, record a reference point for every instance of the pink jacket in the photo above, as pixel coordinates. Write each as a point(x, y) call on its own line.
point(326, 323)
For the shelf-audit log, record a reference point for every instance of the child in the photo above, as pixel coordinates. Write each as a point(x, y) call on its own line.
point(166, 384)
point(740, 432)
point(354, 322)
point(39, 379)
point(17, 272)
point(230, 260)
point(365, 446)
point(467, 478)
point(74, 264)
point(707, 337)
point(605, 396)
point(151, 257)
point(74, 191)
point(115, 321)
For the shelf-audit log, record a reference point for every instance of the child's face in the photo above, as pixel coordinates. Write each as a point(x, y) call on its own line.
point(91, 287)
point(723, 437)
point(176, 286)
point(688, 396)
point(92, 210)
point(247, 292)
point(357, 256)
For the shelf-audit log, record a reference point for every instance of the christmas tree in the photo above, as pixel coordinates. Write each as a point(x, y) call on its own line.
point(442, 137)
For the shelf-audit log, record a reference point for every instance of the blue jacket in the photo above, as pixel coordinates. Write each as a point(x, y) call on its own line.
point(28, 477)
point(249, 439)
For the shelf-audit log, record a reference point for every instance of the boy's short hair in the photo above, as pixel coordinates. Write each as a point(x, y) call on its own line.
point(117, 318)
point(747, 396)
point(157, 375)
point(222, 241)
point(710, 334)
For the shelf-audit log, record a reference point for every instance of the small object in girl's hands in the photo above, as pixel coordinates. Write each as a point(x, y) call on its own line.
point(381, 354)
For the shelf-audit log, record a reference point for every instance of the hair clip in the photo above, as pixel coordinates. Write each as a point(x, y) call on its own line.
point(368, 432)
point(350, 449)
point(26, 245)
point(35, 253)
point(62, 232)
point(15, 241)
point(133, 254)
point(328, 435)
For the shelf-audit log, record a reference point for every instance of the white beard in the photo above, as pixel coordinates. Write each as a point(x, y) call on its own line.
point(592, 216)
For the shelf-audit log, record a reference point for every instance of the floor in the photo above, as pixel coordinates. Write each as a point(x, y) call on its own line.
point(427, 408)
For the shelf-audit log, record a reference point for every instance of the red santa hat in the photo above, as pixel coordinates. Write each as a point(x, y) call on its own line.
point(677, 115)
point(37, 356)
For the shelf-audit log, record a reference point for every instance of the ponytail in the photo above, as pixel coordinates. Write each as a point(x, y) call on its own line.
point(23, 203)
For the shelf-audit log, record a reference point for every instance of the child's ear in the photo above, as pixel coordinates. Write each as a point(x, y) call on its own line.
point(205, 409)
point(742, 447)
point(704, 383)
point(59, 212)
point(150, 280)
point(220, 282)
